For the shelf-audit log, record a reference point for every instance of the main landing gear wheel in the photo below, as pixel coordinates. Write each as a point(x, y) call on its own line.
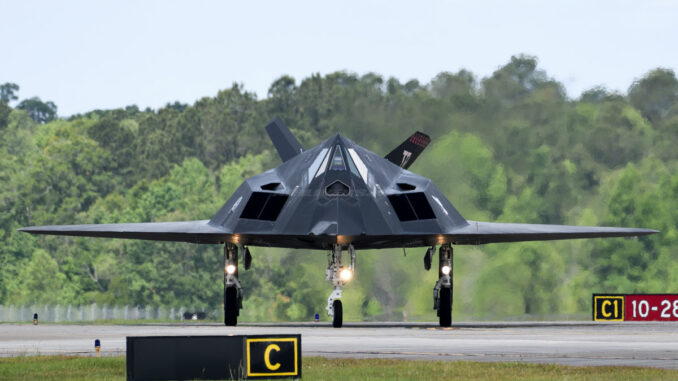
point(338, 318)
point(445, 307)
point(230, 306)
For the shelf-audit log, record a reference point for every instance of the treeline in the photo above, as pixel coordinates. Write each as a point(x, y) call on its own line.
point(509, 147)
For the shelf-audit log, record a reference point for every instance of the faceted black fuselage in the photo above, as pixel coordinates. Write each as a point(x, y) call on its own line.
point(338, 192)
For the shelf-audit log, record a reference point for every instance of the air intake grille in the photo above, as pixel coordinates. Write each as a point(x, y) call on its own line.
point(264, 206)
point(411, 206)
point(337, 188)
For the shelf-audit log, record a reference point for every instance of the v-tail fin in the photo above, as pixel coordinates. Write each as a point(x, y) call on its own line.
point(407, 152)
point(287, 145)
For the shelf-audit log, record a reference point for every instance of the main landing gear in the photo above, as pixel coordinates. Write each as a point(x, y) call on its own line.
point(442, 292)
point(232, 287)
point(338, 275)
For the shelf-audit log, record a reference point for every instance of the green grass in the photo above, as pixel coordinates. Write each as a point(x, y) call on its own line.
point(317, 368)
point(62, 368)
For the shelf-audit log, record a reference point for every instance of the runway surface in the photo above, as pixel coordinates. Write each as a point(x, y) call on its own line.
point(570, 343)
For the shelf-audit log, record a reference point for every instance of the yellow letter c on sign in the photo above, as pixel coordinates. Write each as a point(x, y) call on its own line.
point(267, 357)
point(604, 308)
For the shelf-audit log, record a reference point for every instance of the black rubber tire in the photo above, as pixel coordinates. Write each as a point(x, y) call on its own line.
point(230, 306)
point(445, 307)
point(338, 318)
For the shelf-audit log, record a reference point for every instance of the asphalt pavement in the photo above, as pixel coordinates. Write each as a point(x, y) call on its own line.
point(569, 343)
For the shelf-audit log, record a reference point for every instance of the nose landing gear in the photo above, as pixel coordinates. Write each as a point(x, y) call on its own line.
point(338, 276)
point(442, 292)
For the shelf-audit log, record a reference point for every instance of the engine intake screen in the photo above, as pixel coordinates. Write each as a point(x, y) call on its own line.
point(411, 206)
point(264, 206)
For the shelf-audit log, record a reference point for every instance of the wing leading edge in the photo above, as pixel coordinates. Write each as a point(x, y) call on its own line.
point(476, 233)
point(184, 231)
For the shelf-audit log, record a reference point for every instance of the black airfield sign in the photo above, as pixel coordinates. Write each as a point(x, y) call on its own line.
point(608, 307)
point(213, 357)
point(268, 357)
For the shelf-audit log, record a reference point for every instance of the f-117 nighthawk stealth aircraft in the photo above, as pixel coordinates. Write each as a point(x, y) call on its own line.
point(338, 196)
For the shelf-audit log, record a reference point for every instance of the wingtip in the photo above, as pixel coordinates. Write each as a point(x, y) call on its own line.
point(644, 232)
point(28, 229)
point(32, 229)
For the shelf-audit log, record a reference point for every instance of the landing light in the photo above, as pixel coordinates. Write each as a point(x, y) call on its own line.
point(346, 275)
point(446, 269)
point(230, 269)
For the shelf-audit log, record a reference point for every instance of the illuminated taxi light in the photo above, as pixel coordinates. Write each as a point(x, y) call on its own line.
point(230, 269)
point(346, 275)
point(446, 269)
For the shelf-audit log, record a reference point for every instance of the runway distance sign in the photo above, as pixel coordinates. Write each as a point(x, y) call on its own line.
point(635, 307)
point(652, 307)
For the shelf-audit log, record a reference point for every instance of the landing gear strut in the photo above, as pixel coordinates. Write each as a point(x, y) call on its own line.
point(442, 292)
point(232, 287)
point(338, 276)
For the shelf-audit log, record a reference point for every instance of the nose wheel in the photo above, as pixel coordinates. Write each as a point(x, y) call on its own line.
point(338, 275)
point(338, 318)
point(335, 309)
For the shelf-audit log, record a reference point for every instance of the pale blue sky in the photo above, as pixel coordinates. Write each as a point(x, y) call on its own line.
point(85, 55)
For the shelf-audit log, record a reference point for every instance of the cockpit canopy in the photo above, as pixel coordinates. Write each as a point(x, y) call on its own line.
point(342, 159)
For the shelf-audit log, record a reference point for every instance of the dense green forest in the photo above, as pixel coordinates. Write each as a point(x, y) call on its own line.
point(511, 147)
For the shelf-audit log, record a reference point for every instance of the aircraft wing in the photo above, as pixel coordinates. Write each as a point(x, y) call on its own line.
point(185, 231)
point(476, 233)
